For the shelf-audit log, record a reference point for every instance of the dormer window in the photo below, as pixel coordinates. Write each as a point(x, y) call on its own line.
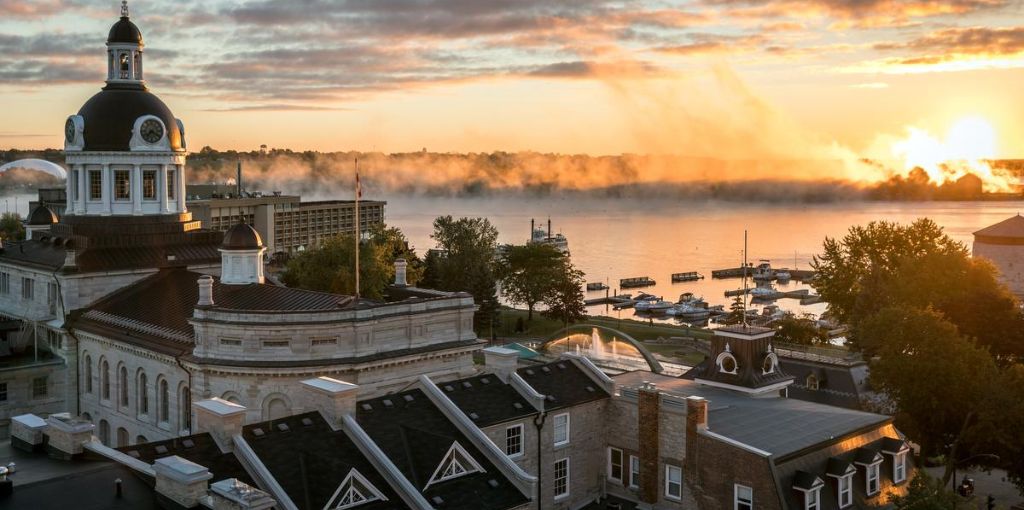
point(870, 460)
point(897, 450)
point(353, 491)
point(770, 363)
point(456, 463)
point(842, 471)
point(812, 382)
point(727, 362)
point(810, 486)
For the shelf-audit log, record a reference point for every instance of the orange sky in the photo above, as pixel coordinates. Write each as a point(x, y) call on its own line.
point(727, 78)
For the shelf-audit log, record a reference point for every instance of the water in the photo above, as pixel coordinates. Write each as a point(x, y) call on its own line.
point(616, 238)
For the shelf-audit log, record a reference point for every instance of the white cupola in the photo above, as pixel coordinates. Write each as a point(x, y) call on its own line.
point(124, 50)
point(241, 256)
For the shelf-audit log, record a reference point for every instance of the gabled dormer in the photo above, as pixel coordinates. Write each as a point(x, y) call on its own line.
point(457, 462)
point(354, 490)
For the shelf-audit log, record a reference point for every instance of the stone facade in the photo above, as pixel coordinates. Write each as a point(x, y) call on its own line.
point(1008, 259)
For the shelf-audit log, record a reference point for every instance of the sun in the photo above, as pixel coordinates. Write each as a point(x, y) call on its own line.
point(968, 143)
point(971, 138)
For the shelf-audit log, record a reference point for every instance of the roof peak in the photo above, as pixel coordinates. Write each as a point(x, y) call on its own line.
point(124, 9)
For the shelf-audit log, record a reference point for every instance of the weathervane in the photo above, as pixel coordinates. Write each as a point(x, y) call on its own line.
point(124, 8)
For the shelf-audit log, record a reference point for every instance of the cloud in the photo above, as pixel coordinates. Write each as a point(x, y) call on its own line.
point(276, 108)
point(705, 43)
point(952, 49)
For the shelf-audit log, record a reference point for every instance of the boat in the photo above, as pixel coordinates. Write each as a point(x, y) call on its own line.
point(654, 306)
point(688, 312)
point(644, 302)
point(541, 236)
point(783, 275)
point(596, 286)
point(688, 298)
point(686, 277)
point(764, 271)
point(766, 292)
point(639, 281)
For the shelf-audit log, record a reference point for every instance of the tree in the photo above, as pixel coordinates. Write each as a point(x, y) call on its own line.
point(925, 493)
point(330, 267)
point(801, 330)
point(737, 310)
point(11, 228)
point(466, 262)
point(530, 273)
point(564, 299)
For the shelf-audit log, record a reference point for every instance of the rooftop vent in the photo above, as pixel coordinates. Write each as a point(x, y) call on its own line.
point(517, 405)
point(448, 388)
point(258, 432)
point(493, 483)
point(188, 443)
point(161, 449)
point(474, 416)
point(283, 427)
point(484, 380)
point(467, 384)
point(561, 366)
point(408, 398)
point(550, 398)
point(529, 371)
point(387, 403)
point(306, 422)
point(545, 370)
point(590, 389)
point(134, 453)
point(437, 500)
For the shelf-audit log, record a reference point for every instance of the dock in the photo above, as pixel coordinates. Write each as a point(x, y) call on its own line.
point(686, 277)
point(804, 295)
point(597, 286)
point(639, 281)
point(800, 275)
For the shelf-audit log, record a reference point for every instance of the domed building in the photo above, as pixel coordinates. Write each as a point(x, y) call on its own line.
point(1003, 245)
point(137, 310)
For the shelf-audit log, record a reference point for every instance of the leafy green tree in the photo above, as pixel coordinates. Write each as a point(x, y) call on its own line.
point(801, 330)
point(466, 262)
point(925, 493)
point(564, 299)
point(330, 267)
point(11, 228)
point(530, 273)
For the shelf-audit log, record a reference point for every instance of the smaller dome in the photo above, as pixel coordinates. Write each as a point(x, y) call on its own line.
point(242, 237)
point(124, 31)
point(41, 216)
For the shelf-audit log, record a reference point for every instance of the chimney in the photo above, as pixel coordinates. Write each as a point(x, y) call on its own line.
point(222, 419)
point(400, 266)
point(182, 481)
point(501, 362)
point(238, 181)
point(233, 494)
point(649, 439)
point(66, 435)
point(69, 259)
point(333, 398)
point(696, 414)
point(205, 291)
point(27, 432)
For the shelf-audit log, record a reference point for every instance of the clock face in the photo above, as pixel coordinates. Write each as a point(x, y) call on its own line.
point(69, 131)
point(151, 131)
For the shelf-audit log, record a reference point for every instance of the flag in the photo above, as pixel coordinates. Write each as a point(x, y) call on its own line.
point(359, 187)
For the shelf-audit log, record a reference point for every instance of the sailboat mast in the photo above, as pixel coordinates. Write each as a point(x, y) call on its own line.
point(744, 278)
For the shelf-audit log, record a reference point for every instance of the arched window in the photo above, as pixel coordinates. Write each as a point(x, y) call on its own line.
point(275, 407)
point(87, 417)
point(88, 373)
point(122, 437)
point(122, 386)
point(138, 66)
point(125, 63)
point(232, 397)
point(163, 400)
point(143, 393)
point(105, 380)
point(812, 382)
point(185, 408)
point(141, 440)
point(105, 432)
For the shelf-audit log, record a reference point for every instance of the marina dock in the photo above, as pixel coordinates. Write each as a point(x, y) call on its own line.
point(686, 277)
point(804, 295)
point(800, 275)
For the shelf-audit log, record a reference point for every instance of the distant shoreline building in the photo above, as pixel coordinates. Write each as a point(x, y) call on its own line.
point(1003, 245)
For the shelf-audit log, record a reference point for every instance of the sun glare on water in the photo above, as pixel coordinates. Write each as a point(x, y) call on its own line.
point(966, 146)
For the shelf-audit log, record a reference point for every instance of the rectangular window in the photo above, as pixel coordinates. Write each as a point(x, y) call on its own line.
point(51, 296)
point(324, 341)
point(615, 464)
point(743, 497)
point(149, 184)
point(634, 471)
point(845, 491)
point(561, 478)
point(899, 467)
point(872, 480)
point(28, 288)
point(812, 499)
point(95, 185)
point(122, 185)
point(5, 283)
point(3, 392)
point(39, 387)
point(74, 185)
point(561, 429)
point(233, 342)
point(275, 343)
point(673, 482)
point(514, 440)
point(170, 184)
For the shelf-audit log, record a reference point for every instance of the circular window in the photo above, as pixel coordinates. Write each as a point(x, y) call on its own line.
point(729, 364)
point(769, 364)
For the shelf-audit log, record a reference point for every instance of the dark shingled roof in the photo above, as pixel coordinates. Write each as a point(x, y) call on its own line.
point(110, 116)
point(563, 383)
point(242, 237)
point(806, 481)
point(124, 31)
point(198, 448)
point(416, 435)
point(310, 460)
point(836, 384)
point(42, 215)
point(44, 253)
point(488, 399)
point(1012, 227)
point(837, 467)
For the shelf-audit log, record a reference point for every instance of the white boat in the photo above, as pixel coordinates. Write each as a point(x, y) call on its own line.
point(764, 271)
point(655, 306)
point(688, 312)
point(783, 275)
point(541, 236)
point(645, 301)
point(766, 292)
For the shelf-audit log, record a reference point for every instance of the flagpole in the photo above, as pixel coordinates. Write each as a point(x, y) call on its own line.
point(359, 191)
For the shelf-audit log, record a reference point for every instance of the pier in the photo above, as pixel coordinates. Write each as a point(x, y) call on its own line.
point(639, 281)
point(800, 275)
point(686, 277)
point(804, 295)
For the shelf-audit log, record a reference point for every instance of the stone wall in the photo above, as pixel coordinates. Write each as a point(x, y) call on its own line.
point(1008, 259)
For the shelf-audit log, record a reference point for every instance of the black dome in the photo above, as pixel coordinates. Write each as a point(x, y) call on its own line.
point(110, 117)
point(42, 215)
point(124, 31)
point(242, 237)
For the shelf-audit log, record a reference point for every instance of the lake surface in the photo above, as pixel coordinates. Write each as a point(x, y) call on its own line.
point(613, 239)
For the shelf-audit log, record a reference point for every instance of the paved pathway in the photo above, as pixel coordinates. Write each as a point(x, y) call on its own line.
point(985, 483)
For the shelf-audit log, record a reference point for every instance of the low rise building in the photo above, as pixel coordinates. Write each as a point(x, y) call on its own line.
point(1003, 245)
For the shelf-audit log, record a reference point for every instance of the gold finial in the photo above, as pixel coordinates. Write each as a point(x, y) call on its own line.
point(124, 8)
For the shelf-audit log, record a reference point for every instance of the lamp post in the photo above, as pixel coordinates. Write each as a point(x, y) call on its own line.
point(990, 456)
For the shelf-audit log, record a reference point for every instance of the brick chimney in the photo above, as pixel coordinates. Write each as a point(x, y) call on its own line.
point(27, 432)
point(205, 291)
point(400, 270)
point(181, 480)
point(501, 362)
point(333, 398)
point(696, 414)
point(66, 435)
point(233, 494)
point(221, 418)
point(648, 427)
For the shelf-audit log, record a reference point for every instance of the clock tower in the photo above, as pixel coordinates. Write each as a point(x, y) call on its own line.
point(125, 150)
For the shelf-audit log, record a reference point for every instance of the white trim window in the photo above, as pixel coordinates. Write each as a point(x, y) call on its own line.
point(845, 491)
point(514, 441)
point(743, 497)
point(561, 429)
point(634, 472)
point(673, 482)
point(871, 485)
point(353, 491)
point(899, 467)
point(615, 464)
point(812, 499)
point(561, 485)
point(457, 462)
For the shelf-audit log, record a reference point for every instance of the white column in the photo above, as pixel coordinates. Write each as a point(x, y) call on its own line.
point(69, 207)
point(106, 187)
point(82, 187)
point(136, 189)
point(161, 187)
point(179, 194)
